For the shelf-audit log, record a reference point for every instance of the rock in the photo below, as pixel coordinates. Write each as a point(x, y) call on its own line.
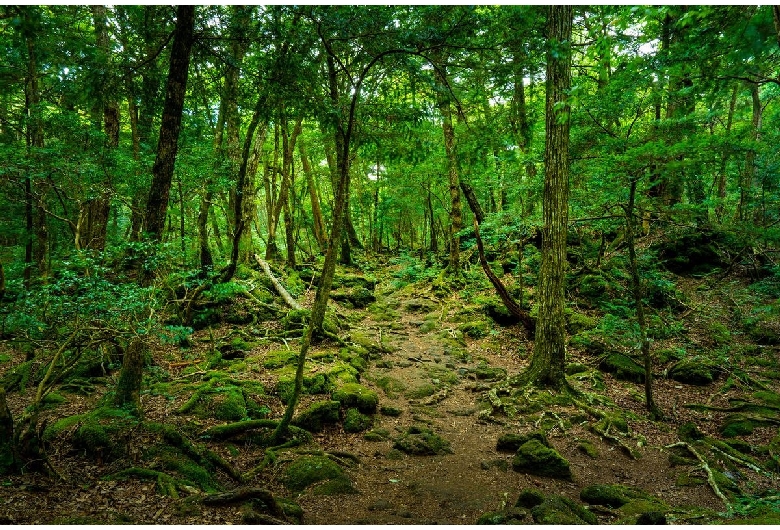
point(511, 442)
point(556, 509)
point(336, 486)
point(579, 322)
point(317, 415)
point(422, 441)
point(576, 368)
point(309, 470)
point(510, 516)
point(496, 310)
point(376, 435)
point(537, 459)
point(355, 421)
point(651, 518)
point(388, 410)
point(475, 329)
point(624, 367)
point(694, 371)
point(357, 297)
point(489, 373)
point(689, 432)
point(529, 498)
point(356, 395)
point(611, 495)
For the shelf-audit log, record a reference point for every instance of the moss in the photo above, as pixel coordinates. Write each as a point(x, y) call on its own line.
point(737, 425)
point(587, 448)
point(489, 373)
point(638, 507)
point(576, 368)
point(356, 395)
point(689, 432)
point(279, 358)
point(336, 486)
point(317, 415)
point(511, 442)
point(291, 509)
point(685, 480)
point(556, 509)
point(54, 431)
point(476, 329)
point(612, 422)
point(355, 421)
point(390, 385)
point(389, 410)
point(229, 405)
point(377, 435)
point(511, 516)
point(666, 355)
point(611, 495)
point(535, 458)
point(421, 391)
point(694, 370)
point(341, 373)
point(422, 441)
point(313, 383)
point(579, 322)
point(719, 333)
point(92, 437)
point(190, 471)
point(624, 367)
point(529, 498)
point(309, 470)
point(355, 297)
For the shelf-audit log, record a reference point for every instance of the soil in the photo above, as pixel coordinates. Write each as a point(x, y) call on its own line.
point(392, 487)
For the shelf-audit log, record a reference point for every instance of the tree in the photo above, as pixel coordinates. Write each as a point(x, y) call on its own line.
point(547, 366)
point(176, 89)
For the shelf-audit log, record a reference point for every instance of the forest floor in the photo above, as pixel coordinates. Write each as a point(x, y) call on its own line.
point(429, 376)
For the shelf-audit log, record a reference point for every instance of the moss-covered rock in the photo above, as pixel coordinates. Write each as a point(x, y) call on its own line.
point(537, 459)
point(624, 367)
point(279, 358)
point(509, 516)
point(336, 486)
point(495, 309)
point(389, 410)
point(529, 498)
point(489, 373)
point(229, 405)
point(511, 442)
point(689, 432)
point(611, 495)
point(355, 297)
point(556, 509)
point(317, 415)
point(356, 395)
point(422, 441)
point(377, 435)
point(587, 448)
point(356, 421)
point(309, 470)
point(576, 368)
point(694, 370)
point(313, 383)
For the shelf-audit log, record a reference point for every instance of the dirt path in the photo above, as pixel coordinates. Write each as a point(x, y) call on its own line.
point(457, 488)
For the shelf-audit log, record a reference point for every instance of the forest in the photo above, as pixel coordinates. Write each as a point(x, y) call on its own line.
point(389, 264)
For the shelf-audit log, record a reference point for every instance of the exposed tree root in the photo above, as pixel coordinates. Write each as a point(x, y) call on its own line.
point(710, 476)
point(286, 296)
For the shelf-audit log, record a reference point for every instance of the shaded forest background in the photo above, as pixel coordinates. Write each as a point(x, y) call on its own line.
point(156, 161)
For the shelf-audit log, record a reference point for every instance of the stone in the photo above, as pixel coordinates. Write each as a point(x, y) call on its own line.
point(356, 395)
point(317, 415)
point(537, 459)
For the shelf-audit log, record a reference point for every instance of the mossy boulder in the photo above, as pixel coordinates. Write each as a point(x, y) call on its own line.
point(623, 367)
point(313, 383)
point(317, 415)
point(356, 297)
point(611, 495)
point(496, 310)
point(422, 441)
point(511, 442)
point(489, 373)
point(336, 486)
point(556, 509)
point(694, 370)
point(279, 358)
point(509, 516)
point(356, 421)
point(309, 470)
point(356, 395)
point(529, 498)
point(535, 458)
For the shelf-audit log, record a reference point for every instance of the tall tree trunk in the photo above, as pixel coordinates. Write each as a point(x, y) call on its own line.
point(168, 144)
point(318, 220)
point(720, 178)
point(549, 355)
point(278, 203)
point(747, 184)
point(456, 216)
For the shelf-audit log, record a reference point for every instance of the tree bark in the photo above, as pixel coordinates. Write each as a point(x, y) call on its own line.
point(9, 459)
point(128, 388)
point(548, 361)
point(318, 221)
point(456, 216)
point(638, 292)
point(168, 144)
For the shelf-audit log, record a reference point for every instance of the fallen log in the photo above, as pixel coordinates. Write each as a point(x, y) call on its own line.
point(287, 297)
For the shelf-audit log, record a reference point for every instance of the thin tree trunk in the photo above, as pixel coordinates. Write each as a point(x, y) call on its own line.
point(638, 292)
point(316, 212)
point(548, 361)
point(721, 176)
